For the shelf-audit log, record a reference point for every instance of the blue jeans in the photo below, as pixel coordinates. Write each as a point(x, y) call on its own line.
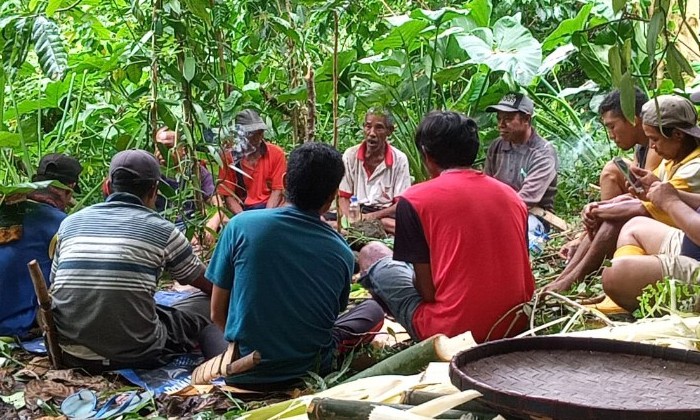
point(391, 284)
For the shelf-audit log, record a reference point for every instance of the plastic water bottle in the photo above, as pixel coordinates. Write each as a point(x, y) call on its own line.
point(354, 210)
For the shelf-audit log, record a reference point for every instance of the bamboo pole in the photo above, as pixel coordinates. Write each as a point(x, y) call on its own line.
point(330, 408)
point(310, 104)
point(338, 212)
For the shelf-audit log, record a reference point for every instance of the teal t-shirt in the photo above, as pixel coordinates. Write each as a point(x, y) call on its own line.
point(289, 275)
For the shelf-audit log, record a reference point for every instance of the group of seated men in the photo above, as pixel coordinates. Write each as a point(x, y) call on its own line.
point(279, 280)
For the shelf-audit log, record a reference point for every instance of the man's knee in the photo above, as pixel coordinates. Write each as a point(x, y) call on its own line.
point(629, 234)
point(611, 182)
point(371, 253)
point(613, 277)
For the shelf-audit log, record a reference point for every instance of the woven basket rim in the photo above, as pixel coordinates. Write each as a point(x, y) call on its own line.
point(517, 404)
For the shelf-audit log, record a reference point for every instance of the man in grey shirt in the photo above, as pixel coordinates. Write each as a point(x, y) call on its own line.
point(521, 158)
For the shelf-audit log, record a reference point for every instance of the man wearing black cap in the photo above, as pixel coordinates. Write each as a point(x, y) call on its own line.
point(521, 158)
point(44, 211)
point(105, 272)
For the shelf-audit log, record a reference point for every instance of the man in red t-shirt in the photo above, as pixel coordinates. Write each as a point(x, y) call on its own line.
point(264, 167)
point(460, 259)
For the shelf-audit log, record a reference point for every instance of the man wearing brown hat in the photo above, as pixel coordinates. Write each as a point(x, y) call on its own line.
point(43, 212)
point(254, 181)
point(108, 260)
point(670, 123)
point(521, 158)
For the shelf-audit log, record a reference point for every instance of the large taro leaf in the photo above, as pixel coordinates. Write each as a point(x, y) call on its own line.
point(16, 34)
point(49, 48)
point(513, 50)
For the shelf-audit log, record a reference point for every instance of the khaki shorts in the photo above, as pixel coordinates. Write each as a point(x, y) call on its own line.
point(673, 264)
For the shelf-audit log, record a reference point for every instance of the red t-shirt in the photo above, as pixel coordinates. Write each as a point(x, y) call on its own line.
point(472, 229)
point(267, 174)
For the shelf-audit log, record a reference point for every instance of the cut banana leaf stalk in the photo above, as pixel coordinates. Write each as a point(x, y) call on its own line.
point(329, 408)
point(438, 348)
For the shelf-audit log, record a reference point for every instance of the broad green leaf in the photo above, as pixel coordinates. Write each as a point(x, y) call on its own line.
point(450, 74)
point(199, 9)
point(297, 94)
point(286, 28)
point(655, 26)
point(514, 51)
point(133, 73)
point(555, 57)
point(480, 11)
point(188, 67)
point(52, 6)
point(566, 28)
point(49, 48)
point(400, 36)
point(27, 187)
point(615, 64)
point(10, 140)
point(681, 60)
point(673, 69)
point(618, 5)
point(626, 55)
point(439, 16)
point(627, 96)
point(239, 74)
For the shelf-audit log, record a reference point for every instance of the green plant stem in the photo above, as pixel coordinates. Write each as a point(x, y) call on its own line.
point(23, 139)
point(80, 100)
point(65, 112)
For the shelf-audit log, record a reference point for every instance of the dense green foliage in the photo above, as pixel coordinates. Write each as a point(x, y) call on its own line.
point(91, 77)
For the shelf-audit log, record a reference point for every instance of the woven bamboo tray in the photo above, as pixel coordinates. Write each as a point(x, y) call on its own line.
point(581, 378)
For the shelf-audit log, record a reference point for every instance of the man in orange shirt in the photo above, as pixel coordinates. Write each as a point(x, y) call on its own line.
point(260, 185)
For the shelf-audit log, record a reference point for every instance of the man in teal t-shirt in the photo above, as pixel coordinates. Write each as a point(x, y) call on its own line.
point(282, 276)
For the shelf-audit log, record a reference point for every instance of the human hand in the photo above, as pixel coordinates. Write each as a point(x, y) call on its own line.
point(662, 193)
point(589, 218)
point(644, 177)
point(166, 137)
point(567, 251)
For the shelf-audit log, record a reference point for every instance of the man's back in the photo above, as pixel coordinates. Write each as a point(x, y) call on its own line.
point(105, 272)
point(475, 229)
point(17, 301)
point(292, 278)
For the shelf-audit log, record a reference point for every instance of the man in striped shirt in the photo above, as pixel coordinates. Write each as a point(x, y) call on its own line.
point(105, 273)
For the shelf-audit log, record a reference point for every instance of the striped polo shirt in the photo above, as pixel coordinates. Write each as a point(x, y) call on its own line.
point(105, 272)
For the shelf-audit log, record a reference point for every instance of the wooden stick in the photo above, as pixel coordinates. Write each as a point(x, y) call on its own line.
point(47, 324)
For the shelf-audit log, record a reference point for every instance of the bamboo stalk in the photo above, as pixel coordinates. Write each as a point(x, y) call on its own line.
point(414, 397)
point(330, 408)
point(438, 348)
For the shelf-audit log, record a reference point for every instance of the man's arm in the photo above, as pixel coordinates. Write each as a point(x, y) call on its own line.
point(275, 199)
point(380, 214)
point(423, 282)
point(344, 204)
point(621, 210)
point(691, 199)
point(202, 284)
point(490, 162)
point(670, 200)
point(538, 178)
point(233, 205)
point(220, 299)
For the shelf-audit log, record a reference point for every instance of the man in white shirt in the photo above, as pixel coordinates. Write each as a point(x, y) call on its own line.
point(375, 172)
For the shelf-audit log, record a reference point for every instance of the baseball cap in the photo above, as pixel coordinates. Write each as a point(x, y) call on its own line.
point(59, 167)
point(134, 165)
point(673, 111)
point(513, 102)
point(250, 121)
